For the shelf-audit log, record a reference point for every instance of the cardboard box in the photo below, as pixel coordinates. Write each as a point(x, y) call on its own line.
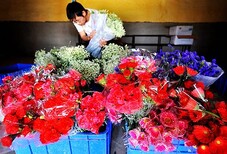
point(179, 40)
point(180, 30)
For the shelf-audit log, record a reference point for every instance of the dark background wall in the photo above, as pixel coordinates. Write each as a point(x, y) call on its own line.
point(20, 40)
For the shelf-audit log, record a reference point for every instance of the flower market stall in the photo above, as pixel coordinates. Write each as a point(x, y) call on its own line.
point(67, 97)
point(43, 106)
point(56, 107)
point(68, 101)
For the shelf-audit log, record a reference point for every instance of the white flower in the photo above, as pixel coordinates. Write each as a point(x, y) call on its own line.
point(71, 53)
point(65, 58)
point(111, 56)
point(114, 23)
point(89, 69)
point(42, 58)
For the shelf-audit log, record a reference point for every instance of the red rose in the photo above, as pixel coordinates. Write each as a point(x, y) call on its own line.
point(64, 125)
point(195, 115)
point(12, 129)
point(6, 141)
point(191, 72)
point(20, 112)
point(188, 84)
point(209, 94)
point(83, 83)
point(223, 131)
point(39, 124)
point(223, 114)
point(49, 136)
point(26, 130)
point(179, 70)
point(200, 84)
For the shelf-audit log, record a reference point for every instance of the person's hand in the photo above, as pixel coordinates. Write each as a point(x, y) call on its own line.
point(92, 34)
point(102, 42)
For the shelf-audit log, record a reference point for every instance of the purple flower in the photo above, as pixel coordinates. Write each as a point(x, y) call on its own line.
point(169, 60)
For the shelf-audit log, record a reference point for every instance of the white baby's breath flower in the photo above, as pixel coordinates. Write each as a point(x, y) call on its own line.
point(113, 51)
point(66, 54)
point(42, 58)
point(89, 70)
point(114, 23)
point(65, 58)
point(111, 56)
point(108, 66)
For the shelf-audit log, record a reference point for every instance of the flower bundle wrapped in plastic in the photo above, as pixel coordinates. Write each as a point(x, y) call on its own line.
point(115, 24)
point(78, 58)
point(52, 105)
point(123, 87)
point(209, 72)
point(159, 110)
point(65, 58)
point(111, 56)
point(108, 26)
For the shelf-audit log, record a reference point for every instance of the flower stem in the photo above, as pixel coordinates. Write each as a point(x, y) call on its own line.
point(211, 113)
point(89, 91)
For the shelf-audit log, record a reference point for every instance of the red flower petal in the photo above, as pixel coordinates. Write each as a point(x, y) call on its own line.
point(191, 72)
point(188, 84)
point(223, 113)
point(6, 141)
point(223, 131)
point(179, 70)
point(168, 119)
point(195, 115)
point(203, 134)
point(219, 145)
point(49, 136)
point(203, 149)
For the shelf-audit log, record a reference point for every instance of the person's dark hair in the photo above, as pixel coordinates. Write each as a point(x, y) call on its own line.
point(74, 9)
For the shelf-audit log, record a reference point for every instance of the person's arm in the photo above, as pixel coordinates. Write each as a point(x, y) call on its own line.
point(85, 37)
point(82, 33)
point(102, 42)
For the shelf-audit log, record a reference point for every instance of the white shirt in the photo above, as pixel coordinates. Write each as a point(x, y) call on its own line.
point(96, 22)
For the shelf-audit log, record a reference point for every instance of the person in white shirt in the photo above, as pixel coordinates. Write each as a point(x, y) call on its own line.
point(91, 26)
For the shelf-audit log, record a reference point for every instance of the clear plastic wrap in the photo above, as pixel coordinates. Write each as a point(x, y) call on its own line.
point(102, 32)
point(209, 80)
point(50, 104)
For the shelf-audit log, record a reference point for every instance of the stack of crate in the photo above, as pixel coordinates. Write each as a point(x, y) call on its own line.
point(181, 35)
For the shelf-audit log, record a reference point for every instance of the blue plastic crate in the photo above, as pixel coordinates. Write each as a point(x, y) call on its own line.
point(80, 143)
point(14, 70)
point(180, 149)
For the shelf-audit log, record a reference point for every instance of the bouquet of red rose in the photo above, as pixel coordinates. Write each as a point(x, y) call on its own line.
point(157, 111)
point(42, 101)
